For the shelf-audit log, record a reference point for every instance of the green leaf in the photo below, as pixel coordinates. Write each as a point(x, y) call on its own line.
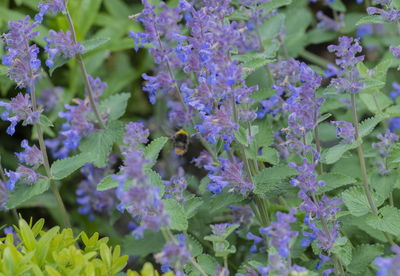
point(265, 135)
point(356, 201)
point(115, 105)
point(323, 118)
point(268, 178)
point(107, 183)
point(274, 4)
point(191, 206)
point(394, 156)
point(91, 44)
point(22, 192)
point(262, 93)
point(334, 153)
point(152, 150)
point(368, 125)
point(338, 5)
point(363, 256)
point(176, 215)
point(342, 248)
point(152, 242)
point(371, 19)
point(219, 201)
point(60, 169)
point(208, 263)
point(271, 27)
point(100, 143)
point(156, 181)
point(195, 247)
point(334, 181)
point(269, 155)
point(44, 121)
point(369, 100)
point(59, 61)
point(388, 220)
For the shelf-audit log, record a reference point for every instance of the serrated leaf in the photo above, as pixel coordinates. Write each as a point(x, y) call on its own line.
point(334, 153)
point(100, 143)
point(115, 105)
point(152, 150)
point(152, 242)
point(191, 206)
point(219, 201)
point(363, 256)
point(195, 247)
point(271, 27)
point(60, 169)
point(334, 181)
point(342, 248)
point(176, 215)
point(356, 201)
point(262, 94)
point(388, 220)
point(368, 125)
point(265, 135)
point(269, 155)
point(370, 19)
point(208, 263)
point(156, 181)
point(267, 178)
point(107, 183)
point(23, 192)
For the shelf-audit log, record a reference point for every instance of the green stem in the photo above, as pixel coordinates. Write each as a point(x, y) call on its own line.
point(46, 161)
point(314, 58)
point(361, 157)
point(84, 72)
point(363, 167)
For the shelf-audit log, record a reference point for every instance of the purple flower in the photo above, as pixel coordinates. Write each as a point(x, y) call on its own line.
point(344, 130)
point(21, 58)
point(90, 200)
point(137, 195)
point(22, 173)
point(63, 44)
point(395, 51)
point(174, 255)
point(175, 187)
point(243, 215)
point(228, 174)
point(329, 24)
point(49, 98)
point(389, 266)
point(390, 16)
point(32, 156)
point(394, 124)
point(386, 142)
point(53, 6)
point(21, 107)
point(3, 196)
point(256, 240)
point(347, 61)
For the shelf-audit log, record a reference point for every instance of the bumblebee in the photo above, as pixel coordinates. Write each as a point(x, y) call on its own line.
point(181, 142)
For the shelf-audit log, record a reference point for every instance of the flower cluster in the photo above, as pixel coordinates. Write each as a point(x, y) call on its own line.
point(329, 24)
point(52, 6)
point(80, 122)
point(175, 187)
point(389, 13)
point(20, 108)
point(60, 42)
point(344, 130)
point(137, 195)
point(384, 148)
point(174, 255)
point(347, 60)
point(22, 58)
point(31, 157)
point(228, 174)
point(389, 266)
point(90, 200)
